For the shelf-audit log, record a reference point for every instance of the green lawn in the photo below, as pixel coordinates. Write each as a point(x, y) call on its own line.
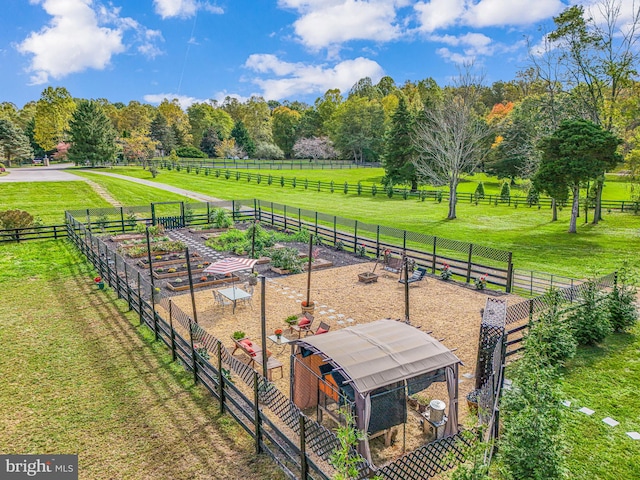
point(537, 243)
point(49, 200)
point(79, 376)
point(604, 379)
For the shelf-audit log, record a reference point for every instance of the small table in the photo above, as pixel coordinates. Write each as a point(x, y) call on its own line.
point(282, 341)
point(234, 294)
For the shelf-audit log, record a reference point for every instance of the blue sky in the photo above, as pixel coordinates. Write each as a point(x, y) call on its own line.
point(146, 50)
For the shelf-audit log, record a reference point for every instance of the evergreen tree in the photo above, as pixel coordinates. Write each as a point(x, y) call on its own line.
point(243, 140)
point(398, 150)
point(163, 133)
point(93, 138)
point(13, 142)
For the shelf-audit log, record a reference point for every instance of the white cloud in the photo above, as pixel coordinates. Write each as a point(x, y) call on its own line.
point(80, 37)
point(183, 8)
point(184, 100)
point(433, 15)
point(455, 57)
point(72, 42)
point(305, 79)
point(326, 23)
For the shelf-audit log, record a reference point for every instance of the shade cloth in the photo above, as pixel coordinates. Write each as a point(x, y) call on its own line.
point(380, 353)
point(230, 265)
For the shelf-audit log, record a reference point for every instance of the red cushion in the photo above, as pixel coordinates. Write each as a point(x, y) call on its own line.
point(246, 342)
point(250, 351)
point(304, 322)
point(321, 330)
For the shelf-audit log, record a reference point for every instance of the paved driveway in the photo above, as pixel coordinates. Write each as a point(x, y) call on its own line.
point(52, 173)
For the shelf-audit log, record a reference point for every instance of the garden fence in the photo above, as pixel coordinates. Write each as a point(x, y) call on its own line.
point(299, 445)
point(255, 164)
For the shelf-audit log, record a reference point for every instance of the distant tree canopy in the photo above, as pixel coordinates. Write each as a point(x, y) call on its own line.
point(14, 144)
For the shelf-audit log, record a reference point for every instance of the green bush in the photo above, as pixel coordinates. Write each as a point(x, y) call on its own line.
point(623, 312)
point(390, 191)
point(374, 190)
point(345, 189)
point(550, 336)
point(505, 192)
point(190, 152)
point(590, 320)
point(359, 187)
point(286, 258)
point(533, 197)
point(479, 193)
point(331, 186)
point(220, 218)
point(15, 219)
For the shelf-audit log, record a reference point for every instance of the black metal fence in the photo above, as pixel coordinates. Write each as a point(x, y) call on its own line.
point(521, 314)
point(300, 446)
point(191, 164)
point(231, 172)
point(33, 233)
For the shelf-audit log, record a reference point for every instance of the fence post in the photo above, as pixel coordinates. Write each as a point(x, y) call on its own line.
point(139, 299)
point(404, 241)
point(115, 269)
point(153, 299)
point(531, 283)
point(304, 466)
point(355, 237)
point(509, 273)
point(55, 232)
point(256, 411)
point(335, 232)
point(433, 260)
point(255, 209)
point(122, 219)
point(285, 217)
point(220, 378)
point(126, 282)
point(378, 241)
point(316, 224)
point(530, 312)
point(153, 214)
point(233, 210)
point(208, 212)
point(272, 217)
point(469, 262)
point(299, 220)
point(173, 336)
point(182, 215)
point(193, 353)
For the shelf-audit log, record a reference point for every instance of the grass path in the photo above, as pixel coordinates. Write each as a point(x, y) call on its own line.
point(79, 376)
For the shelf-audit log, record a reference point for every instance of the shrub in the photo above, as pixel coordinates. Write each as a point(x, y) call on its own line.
point(268, 151)
point(286, 258)
point(346, 188)
point(227, 174)
point(294, 182)
point(623, 312)
point(533, 197)
point(332, 186)
point(10, 219)
point(220, 218)
point(505, 192)
point(439, 197)
point(239, 335)
point(359, 188)
point(306, 183)
point(405, 194)
point(374, 190)
point(281, 181)
point(190, 152)
point(550, 336)
point(479, 193)
point(390, 190)
point(590, 320)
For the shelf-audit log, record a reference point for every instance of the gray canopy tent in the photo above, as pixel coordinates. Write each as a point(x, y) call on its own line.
point(375, 365)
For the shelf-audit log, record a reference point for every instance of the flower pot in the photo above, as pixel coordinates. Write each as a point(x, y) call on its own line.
point(367, 277)
point(309, 309)
point(100, 285)
point(253, 280)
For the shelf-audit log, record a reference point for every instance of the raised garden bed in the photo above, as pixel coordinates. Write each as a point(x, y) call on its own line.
point(208, 230)
point(317, 264)
point(167, 259)
point(180, 270)
point(123, 237)
point(197, 283)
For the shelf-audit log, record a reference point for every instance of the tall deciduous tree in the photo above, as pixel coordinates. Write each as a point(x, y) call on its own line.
point(577, 152)
point(284, 124)
point(93, 138)
point(399, 151)
point(14, 144)
point(355, 129)
point(450, 139)
point(53, 113)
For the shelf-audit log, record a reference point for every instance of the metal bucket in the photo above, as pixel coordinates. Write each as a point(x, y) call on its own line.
point(436, 411)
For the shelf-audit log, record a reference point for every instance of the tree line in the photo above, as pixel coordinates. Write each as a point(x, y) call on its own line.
point(423, 133)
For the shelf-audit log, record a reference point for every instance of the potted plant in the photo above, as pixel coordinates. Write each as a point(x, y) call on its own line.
point(445, 273)
point(253, 278)
point(308, 307)
point(291, 320)
point(238, 335)
point(278, 333)
point(481, 281)
point(99, 282)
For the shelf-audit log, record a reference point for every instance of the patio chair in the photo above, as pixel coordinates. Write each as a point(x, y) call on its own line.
point(220, 300)
point(303, 325)
point(322, 328)
point(248, 300)
point(416, 276)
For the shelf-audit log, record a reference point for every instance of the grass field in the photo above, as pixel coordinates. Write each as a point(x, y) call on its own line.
point(55, 342)
point(537, 243)
point(79, 376)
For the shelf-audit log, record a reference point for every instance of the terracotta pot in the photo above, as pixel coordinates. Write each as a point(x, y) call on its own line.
point(309, 309)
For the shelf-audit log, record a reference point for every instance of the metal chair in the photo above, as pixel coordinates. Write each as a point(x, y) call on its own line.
point(220, 300)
